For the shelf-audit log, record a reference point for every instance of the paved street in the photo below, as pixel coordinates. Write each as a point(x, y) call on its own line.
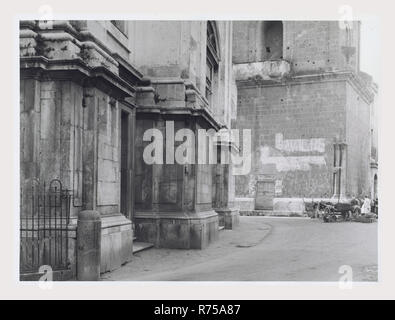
point(265, 249)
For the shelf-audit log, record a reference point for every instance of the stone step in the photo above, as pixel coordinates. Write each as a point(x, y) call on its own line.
point(140, 246)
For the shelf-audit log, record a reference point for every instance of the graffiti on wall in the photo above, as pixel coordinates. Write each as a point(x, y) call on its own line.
point(275, 156)
point(299, 145)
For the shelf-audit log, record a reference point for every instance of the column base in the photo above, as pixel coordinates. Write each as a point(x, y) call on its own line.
point(228, 217)
point(180, 230)
point(116, 242)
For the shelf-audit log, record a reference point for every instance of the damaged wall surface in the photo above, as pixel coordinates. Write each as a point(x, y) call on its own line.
point(300, 107)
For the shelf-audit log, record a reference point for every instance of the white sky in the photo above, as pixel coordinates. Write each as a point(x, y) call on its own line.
point(370, 48)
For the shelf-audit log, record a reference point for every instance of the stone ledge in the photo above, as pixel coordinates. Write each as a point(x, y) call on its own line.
point(297, 79)
point(175, 215)
point(114, 220)
point(75, 70)
point(263, 70)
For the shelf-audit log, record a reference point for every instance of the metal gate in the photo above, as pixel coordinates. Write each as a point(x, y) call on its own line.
point(44, 217)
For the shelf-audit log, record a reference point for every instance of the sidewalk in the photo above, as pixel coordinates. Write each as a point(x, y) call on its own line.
point(249, 233)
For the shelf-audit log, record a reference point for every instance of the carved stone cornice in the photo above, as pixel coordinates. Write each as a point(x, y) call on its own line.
point(367, 93)
point(67, 50)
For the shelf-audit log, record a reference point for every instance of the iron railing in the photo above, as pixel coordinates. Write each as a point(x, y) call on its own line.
point(44, 217)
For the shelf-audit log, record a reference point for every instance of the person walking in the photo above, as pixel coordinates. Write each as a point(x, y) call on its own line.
point(365, 209)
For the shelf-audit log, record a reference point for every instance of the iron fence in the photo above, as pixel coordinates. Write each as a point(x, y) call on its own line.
point(44, 219)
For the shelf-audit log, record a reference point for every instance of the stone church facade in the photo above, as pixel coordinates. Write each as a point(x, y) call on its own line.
point(88, 92)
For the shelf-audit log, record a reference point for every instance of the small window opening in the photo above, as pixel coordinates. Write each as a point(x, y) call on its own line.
point(273, 40)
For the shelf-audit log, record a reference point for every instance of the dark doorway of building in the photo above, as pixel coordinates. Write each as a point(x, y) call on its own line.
point(264, 194)
point(126, 174)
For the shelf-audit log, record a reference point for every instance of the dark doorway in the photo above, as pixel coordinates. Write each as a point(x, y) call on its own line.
point(126, 164)
point(264, 194)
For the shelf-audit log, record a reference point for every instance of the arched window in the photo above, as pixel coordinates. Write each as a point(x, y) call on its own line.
point(212, 58)
point(273, 40)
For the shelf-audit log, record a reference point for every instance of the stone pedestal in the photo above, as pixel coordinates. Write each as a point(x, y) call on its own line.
point(116, 242)
point(177, 230)
point(224, 193)
point(88, 245)
point(173, 196)
point(229, 218)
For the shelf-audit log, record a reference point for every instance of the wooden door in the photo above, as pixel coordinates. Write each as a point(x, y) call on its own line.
point(126, 165)
point(264, 194)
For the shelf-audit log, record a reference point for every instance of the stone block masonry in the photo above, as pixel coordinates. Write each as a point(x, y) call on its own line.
point(309, 124)
point(294, 127)
point(71, 100)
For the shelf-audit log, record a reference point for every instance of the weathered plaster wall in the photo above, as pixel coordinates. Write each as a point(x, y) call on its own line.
point(105, 31)
point(248, 41)
point(158, 47)
point(226, 86)
point(177, 50)
point(108, 162)
point(293, 127)
point(358, 141)
point(296, 122)
point(53, 125)
point(51, 133)
point(316, 46)
point(311, 46)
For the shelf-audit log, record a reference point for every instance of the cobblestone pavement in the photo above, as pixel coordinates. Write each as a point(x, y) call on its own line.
point(265, 249)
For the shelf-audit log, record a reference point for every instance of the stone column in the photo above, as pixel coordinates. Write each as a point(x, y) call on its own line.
point(343, 172)
point(228, 215)
point(336, 170)
point(89, 156)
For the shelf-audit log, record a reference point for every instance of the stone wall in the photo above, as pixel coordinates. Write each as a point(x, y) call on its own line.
point(70, 96)
point(174, 203)
point(311, 46)
point(51, 134)
point(317, 46)
point(248, 40)
point(358, 142)
point(108, 164)
point(293, 127)
point(182, 47)
point(298, 106)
